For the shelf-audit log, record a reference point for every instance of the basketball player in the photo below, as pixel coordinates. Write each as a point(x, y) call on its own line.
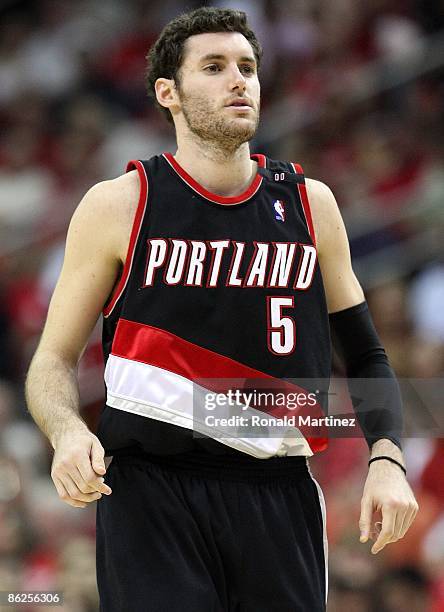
point(207, 264)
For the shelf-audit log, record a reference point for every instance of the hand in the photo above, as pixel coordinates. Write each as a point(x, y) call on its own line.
point(78, 468)
point(386, 491)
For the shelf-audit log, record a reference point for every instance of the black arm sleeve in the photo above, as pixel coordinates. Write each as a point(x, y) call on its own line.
point(372, 384)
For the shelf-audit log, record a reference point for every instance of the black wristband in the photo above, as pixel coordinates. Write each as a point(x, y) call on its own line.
point(388, 459)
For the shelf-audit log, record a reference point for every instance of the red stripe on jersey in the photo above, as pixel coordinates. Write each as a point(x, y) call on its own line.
point(137, 223)
point(163, 349)
point(213, 197)
point(305, 203)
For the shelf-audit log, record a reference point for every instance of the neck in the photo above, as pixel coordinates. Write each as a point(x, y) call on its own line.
point(220, 170)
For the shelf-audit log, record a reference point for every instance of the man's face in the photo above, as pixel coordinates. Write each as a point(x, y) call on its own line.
point(219, 91)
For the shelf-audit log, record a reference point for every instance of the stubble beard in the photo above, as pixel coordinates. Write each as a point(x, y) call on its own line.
point(212, 127)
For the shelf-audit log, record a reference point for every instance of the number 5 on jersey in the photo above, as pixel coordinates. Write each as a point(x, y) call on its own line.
point(281, 330)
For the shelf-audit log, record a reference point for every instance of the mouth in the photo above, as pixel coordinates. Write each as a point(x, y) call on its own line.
point(240, 109)
point(240, 105)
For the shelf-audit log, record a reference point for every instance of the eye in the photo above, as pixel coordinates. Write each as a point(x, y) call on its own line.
point(247, 69)
point(213, 68)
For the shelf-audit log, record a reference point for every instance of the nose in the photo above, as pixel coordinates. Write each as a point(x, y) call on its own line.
point(238, 81)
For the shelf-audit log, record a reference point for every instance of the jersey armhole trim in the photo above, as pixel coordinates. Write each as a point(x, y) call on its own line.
point(302, 188)
point(135, 231)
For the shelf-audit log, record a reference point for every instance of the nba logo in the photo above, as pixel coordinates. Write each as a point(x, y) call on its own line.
point(279, 208)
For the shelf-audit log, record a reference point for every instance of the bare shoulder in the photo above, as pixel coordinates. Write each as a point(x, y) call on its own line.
point(342, 288)
point(107, 210)
point(322, 200)
point(116, 197)
point(327, 218)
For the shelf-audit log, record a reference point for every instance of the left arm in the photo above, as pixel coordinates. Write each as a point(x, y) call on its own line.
point(386, 489)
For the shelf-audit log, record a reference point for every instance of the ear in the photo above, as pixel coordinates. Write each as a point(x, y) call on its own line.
point(166, 93)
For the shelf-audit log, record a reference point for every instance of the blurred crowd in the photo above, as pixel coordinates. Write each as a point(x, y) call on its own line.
point(361, 86)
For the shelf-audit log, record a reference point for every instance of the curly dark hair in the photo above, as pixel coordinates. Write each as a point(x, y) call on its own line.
point(166, 55)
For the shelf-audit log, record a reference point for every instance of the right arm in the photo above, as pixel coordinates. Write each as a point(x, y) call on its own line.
point(95, 243)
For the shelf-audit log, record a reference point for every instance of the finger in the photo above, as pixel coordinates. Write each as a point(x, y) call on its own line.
point(76, 494)
point(67, 469)
point(365, 519)
point(400, 517)
point(375, 530)
point(387, 530)
point(73, 472)
point(94, 482)
point(408, 519)
point(88, 477)
point(98, 457)
point(64, 495)
point(85, 486)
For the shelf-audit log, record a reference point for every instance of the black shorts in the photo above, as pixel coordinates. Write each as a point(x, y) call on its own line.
point(202, 533)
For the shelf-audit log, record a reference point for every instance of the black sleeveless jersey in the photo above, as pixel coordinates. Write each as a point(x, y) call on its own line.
point(212, 288)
